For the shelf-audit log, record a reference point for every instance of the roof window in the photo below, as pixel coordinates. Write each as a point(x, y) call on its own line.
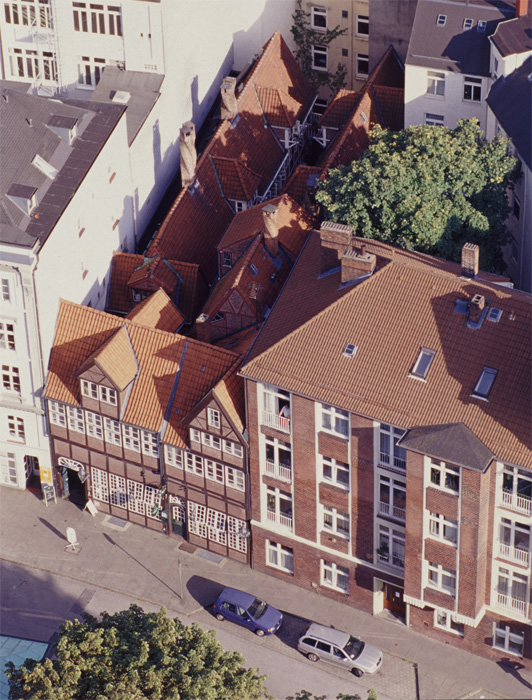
point(350, 350)
point(254, 270)
point(481, 26)
point(45, 167)
point(485, 382)
point(423, 362)
point(494, 315)
point(441, 20)
point(468, 23)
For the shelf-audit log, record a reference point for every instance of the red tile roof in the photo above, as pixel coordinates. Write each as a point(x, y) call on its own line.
point(339, 109)
point(157, 311)
point(298, 183)
point(237, 181)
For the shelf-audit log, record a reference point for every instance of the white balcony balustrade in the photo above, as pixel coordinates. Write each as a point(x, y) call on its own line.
point(391, 511)
point(279, 471)
point(283, 519)
point(514, 554)
point(395, 559)
point(272, 420)
point(521, 504)
point(514, 604)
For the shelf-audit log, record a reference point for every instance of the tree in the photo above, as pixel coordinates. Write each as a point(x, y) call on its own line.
point(306, 38)
point(134, 655)
point(428, 188)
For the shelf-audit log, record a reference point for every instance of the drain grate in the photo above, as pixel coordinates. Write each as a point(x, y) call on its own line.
point(112, 520)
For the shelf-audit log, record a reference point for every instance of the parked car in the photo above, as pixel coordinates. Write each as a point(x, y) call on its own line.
point(247, 610)
point(339, 648)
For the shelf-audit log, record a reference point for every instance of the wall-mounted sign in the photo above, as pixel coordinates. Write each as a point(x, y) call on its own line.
point(46, 474)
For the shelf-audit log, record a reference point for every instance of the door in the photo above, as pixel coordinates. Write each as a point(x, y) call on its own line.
point(393, 600)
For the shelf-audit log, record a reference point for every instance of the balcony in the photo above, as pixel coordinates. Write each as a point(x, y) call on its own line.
point(513, 604)
point(521, 504)
point(392, 511)
point(397, 560)
point(272, 420)
point(283, 519)
point(514, 554)
point(279, 471)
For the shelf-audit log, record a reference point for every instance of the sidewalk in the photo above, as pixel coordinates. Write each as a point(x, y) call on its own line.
point(147, 566)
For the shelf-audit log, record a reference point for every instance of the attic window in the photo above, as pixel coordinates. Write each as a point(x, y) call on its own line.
point(441, 20)
point(350, 350)
point(468, 23)
point(494, 315)
point(423, 362)
point(218, 316)
point(485, 382)
point(44, 167)
point(253, 269)
point(481, 26)
point(23, 196)
point(363, 117)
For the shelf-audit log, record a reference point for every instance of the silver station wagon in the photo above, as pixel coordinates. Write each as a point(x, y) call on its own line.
point(328, 644)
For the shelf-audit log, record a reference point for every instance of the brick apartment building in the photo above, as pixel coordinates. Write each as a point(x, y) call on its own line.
point(388, 408)
point(148, 424)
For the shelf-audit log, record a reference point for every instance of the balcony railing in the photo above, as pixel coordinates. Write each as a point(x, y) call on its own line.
point(515, 554)
point(396, 560)
point(391, 511)
point(397, 462)
point(509, 603)
point(279, 471)
point(280, 519)
point(272, 420)
point(521, 504)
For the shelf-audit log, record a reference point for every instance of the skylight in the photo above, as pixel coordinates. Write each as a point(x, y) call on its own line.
point(441, 20)
point(254, 270)
point(485, 382)
point(350, 350)
point(481, 26)
point(423, 362)
point(494, 315)
point(468, 23)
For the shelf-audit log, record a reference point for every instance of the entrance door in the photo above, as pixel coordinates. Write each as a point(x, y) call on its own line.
point(74, 489)
point(393, 600)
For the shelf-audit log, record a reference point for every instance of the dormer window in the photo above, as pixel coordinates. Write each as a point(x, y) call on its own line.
point(23, 196)
point(96, 391)
point(238, 205)
point(140, 294)
point(485, 382)
point(227, 260)
point(423, 362)
point(468, 23)
point(350, 350)
point(481, 26)
point(44, 167)
point(442, 19)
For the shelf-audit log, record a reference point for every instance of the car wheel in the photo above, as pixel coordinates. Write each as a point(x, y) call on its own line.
point(259, 632)
point(312, 657)
point(358, 672)
point(220, 617)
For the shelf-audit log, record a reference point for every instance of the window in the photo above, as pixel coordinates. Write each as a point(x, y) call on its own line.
point(233, 448)
point(391, 549)
point(279, 556)
point(495, 67)
point(213, 417)
point(89, 389)
point(481, 26)
point(485, 382)
point(441, 20)
point(362, 65)
point(227, 260)
point(319, 18)
point(319, 57)
point(334, 576)
point(444, 476)
point(512, 590)
point(11, 378)
point(173, 456)
point(94, 425)
point(279, 506)
point(7, 336)
point(350, 350)
point(517, 489)
point(218, 316)
point(113, 434)
point(90, 71)
point(278, 458)
point(99, 485)
point(443, 528)
point(335, 472)
point(236, 534)
point(80, 17)
point(194, 464)
point(435, 83)
point(117, 490)
point(103, 19)
point(56, 412)
point(468, 23)
point(362, 26)
point(195, 435)
point(505, 639)
point(253, 269)
point(76, 419)
point(214, 471)
point(517, 207)
point(131, 437)
point(441, 578)
point(514, 541)
point(472, 89)
point(445, 620)
point(15, 427)
point(107, 395)
point(423, 362)
point(150, 446)
point(334, 420)
point(336, 521)
point(345, 52)
point(140, 294)
point(6, 296)
point(319, 107)
point(390, 452)
point(239, 205)
point(276, 408)
point(8, 468)
point(235, 478)
point(211, 441)
point(392, 497)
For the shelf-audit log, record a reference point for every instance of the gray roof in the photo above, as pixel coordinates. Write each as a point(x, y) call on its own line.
point(143, 89)
point(510, 100)
point(451, 47)
point(452, 443)
point(514, 35)
point(28, 126)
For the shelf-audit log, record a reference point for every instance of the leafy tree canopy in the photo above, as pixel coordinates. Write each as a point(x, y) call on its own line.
point(305, 38)
point(428, 188)
point(134, 655)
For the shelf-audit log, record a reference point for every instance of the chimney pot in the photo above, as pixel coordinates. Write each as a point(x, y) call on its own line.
point(357, 265)
point(271, 231)
point(187, 154)
point(470, 256)
point(229, 107)
point(335, 239)
point(363, 250)
point(476, 306)
point(521, 8)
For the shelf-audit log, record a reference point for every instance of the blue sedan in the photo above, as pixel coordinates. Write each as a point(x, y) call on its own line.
point(247, 610)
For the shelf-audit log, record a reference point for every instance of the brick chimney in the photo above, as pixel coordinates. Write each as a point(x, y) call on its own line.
point(470, 253)
point(203, 328)
point(357, 263)
point(271, 231)
point(476, 306)
point(229, 106)
point(521, 8)
point(335, 240)
point(187, 154)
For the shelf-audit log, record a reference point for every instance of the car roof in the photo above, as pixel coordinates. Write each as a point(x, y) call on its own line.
point(233, 595)
point(327, 634)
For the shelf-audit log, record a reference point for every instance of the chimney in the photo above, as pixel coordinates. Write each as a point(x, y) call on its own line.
point(229, 107)
point(187, 154)
point(271, 232)
point(521, 8)
point(335, 239)
point(470, 253)
point(203, 328)
point(476, 306)
point(357, 263)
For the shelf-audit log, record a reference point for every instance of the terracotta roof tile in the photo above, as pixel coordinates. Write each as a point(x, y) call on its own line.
point(157, 311)
point(279, 107)
point(237, 181)
point(416, 293)
point(391, 102)
point(122, 266)
point(116, 359)
point(298, 183)
point(339, 109)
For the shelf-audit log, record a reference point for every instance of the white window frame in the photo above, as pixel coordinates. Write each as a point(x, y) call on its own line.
point(361, 58)
point(117, 491)
point(113, 432)
point(135, 497)
point(513, 493)
point(194, 464)
point(7, 336)
point(392, 541)
point(11, 379)
point(320, 14)
point(173, 456)
point(236, 539)
point(90, 69)
point(214, 471)
point(441, 578)
point(99, 485)
point(94, 425)
point(57, 413)
point(195, 435)
point(89, 389)
point(334, 576)
point(435, 84)
point(475, 85)
point(319, 53)
point(504, 631)
point(434, 119)
point(213, 417)
point(391, 454)
point(335, 417)
point(336, 468)
point(362, 23)
point(15, 428)
point(6, 292)
point(212, 441)
point(442, 528)
point(197, 517)
point(387, 508)
point(131, 438)
point(443, 619)
point(76, 419)
point(8, 468)
point(235, 479)
point(280, 557)
point(233, 448)
point(446, 472)
point(423, 364)
point(150, 445)
point(107, 395)
point(336, 521)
